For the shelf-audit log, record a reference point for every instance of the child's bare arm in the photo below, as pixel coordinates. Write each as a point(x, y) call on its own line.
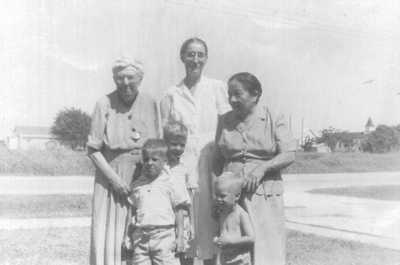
point(130, 228)
point(244, 240)
point(180, 244)
point(247, 229)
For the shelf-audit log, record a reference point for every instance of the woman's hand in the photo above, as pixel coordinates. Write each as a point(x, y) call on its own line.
point(223, 241)
point(117, 184)
point(121, 188)
point(254, 179)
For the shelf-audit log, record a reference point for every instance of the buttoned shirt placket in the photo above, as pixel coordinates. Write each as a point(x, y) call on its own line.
point(191, 97)
point(242, 129)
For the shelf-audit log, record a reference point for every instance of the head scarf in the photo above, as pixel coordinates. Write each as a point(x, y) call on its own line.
point(125, 63)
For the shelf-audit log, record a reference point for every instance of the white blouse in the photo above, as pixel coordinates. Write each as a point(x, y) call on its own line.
point(198, 108)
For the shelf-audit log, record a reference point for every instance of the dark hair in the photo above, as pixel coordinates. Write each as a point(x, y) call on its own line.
point(174, 129)
point(249, 82)
point(187, 42)
point(157, 145)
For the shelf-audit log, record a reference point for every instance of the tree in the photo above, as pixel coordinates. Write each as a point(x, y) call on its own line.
point(71, 127)
point(308, 145)
point(329, 137)
point(383, 139)
point(347, 140)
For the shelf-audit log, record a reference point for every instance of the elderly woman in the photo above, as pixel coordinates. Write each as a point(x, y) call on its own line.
point(121, 122)
point(197, 102)
point(256, 145)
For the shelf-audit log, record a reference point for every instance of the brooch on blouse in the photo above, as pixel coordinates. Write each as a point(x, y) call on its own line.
point(135, 135)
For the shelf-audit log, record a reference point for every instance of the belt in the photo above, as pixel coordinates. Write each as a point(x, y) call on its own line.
point(151, 227)
point(134, 150)
point(244, 158)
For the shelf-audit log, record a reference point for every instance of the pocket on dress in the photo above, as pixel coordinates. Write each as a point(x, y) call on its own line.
point(269, 188)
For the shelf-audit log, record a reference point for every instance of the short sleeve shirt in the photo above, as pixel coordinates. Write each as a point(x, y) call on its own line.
point(155, 202)
point(264, 137)
point(116, 128)
point(181, 173)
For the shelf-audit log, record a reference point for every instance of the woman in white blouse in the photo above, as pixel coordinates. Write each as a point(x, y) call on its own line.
point(197, 102)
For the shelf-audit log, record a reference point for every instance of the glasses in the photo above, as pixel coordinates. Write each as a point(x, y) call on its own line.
point(194, 54)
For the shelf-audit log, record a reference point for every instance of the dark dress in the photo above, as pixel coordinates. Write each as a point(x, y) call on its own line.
point(243, 147)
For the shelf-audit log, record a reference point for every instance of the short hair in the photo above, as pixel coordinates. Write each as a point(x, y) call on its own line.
point(124, 62)
point(156, 145)
point(231, 181)
point(249, 82)
point(175, 129)
point(187, 42)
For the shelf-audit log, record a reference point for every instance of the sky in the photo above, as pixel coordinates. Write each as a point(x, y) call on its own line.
point(328, 63)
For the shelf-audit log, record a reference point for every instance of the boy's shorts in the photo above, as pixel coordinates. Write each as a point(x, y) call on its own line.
point(154, 246)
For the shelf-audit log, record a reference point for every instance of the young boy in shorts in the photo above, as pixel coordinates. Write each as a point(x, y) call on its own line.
point(175, 136)
point(236, 234)
point(156, 201)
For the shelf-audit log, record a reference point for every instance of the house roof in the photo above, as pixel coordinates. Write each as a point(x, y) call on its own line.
point(32, 130)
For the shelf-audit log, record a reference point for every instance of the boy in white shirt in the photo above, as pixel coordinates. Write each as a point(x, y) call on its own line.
point(156, 201)
point(175, 136)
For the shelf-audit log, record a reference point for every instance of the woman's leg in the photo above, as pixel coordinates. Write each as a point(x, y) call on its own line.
point(99, 222)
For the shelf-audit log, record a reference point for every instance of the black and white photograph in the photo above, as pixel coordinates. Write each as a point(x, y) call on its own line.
point(200, 132)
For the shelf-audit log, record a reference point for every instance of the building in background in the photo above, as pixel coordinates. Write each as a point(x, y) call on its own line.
point(25, 137)
point(369, 126)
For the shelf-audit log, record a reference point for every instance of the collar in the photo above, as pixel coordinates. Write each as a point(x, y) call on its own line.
point(261, 112)
point(185, 92)
point(183, 89)
point(179, 165)
point(181, 84)
point(164, 176)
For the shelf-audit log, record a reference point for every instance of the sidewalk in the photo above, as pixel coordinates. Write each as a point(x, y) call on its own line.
point(46, 185)
point(39, 223)
point(365, 220)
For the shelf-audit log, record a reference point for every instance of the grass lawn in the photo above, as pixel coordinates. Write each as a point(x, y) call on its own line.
point(307, 249)
point(382, 192)
point(344, 162)
point(60, 246)
point(40, 206)
point(63, 161)
point(59, 161)
point(71, 245)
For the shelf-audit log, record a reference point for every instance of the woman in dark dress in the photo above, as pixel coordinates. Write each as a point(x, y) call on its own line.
point(256, 145)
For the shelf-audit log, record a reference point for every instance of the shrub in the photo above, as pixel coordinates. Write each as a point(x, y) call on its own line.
point(71, 127)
